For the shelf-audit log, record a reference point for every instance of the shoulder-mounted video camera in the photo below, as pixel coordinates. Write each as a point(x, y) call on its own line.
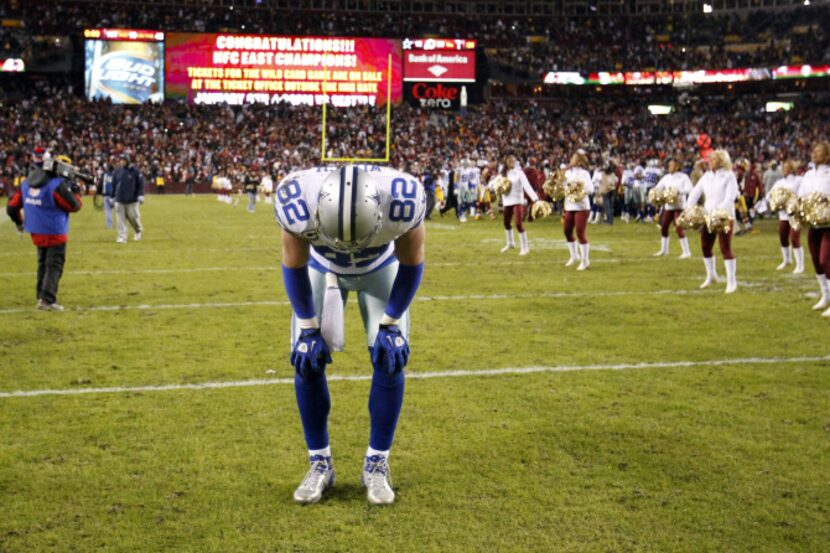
point(65, 170)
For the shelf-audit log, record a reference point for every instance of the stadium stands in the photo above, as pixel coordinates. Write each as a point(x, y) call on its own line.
point(193, 142)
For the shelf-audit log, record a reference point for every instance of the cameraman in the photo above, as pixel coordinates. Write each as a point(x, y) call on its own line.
point(47, 200)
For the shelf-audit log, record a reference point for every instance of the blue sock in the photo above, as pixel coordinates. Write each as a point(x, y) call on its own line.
point(385, 400)
point(315, 403)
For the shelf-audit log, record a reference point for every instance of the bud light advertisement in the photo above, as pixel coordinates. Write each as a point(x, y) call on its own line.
point(124, 72)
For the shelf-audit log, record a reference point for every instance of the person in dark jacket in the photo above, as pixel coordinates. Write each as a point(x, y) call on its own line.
point(250, 185)
point(128, 189)
point(46, 200)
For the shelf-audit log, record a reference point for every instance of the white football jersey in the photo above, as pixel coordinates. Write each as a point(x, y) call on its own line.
point(651, 176)
point(402, 202)
point(470, 178)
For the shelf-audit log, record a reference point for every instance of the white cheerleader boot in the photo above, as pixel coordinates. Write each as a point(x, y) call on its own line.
point(798, 254)
point(711, 276)
point(824, 302)
point(785, 253)
point(586, 261)
point(574, 255)
point(684, 246)
point(731, 275)
point(664, 247)
point(525, 247)
point(510, 243)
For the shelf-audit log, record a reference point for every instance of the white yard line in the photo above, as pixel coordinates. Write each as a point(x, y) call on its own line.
point(156, 271)
point(424, 375)
point(422, 298)
point(549, 261)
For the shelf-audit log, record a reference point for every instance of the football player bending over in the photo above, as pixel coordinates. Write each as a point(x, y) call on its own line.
point(351, 229)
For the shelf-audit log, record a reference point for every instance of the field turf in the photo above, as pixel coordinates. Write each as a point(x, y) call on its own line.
point(634, 412)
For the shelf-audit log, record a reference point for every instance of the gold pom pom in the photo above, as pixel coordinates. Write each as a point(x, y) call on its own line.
point(540, 209)
point(554, 185)
point(780, 198)
point(502, 185)
point(670, 195)
point(693, 217)
point(718, 221)
point(815, 209)
point(575, 191)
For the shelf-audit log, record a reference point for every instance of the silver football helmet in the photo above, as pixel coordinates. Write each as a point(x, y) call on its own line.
point(348, 209)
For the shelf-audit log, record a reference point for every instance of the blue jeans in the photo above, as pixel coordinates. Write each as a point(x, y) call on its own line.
point(608, 206)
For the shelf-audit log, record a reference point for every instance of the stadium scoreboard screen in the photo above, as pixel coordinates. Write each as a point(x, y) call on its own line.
point(125, 66)
point(216, 68)
point(439, 72)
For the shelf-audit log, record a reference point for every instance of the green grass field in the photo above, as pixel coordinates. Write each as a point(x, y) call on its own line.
point(661, 417)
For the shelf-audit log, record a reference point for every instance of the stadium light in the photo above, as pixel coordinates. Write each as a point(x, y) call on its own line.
point(806, 2)
point(707, 8)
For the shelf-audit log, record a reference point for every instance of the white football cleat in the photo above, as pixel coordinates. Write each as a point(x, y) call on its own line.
point(137, 236)
point(661, 253)
point(822, 304)
point(826, 313)
point(731, 288)
point(524, 252)
point(782, 266)
point(583, 265)
point(708, 282)
point(685, 256)
point(571, 261)
point(507, 248)
point(798, 270)
point(318, 479)
point(376, 479)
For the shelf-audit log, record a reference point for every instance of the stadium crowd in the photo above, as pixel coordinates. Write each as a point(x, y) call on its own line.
point(524, 46)
point(191, 144)
point(660, 43)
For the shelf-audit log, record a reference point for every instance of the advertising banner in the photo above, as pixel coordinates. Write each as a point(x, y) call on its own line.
point(213, 68)
point(124, 66)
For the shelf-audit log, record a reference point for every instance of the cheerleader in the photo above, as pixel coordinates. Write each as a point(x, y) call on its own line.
point(513, 202)
point(818, 237)
point(577, 210)
point(786, 234)
point(679, 181)
point(719, 187)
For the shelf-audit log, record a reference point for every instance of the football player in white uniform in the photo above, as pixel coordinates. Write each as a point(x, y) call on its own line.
point(651, 176)
point(471, 176)
point(680, 181)
point(350, 229)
